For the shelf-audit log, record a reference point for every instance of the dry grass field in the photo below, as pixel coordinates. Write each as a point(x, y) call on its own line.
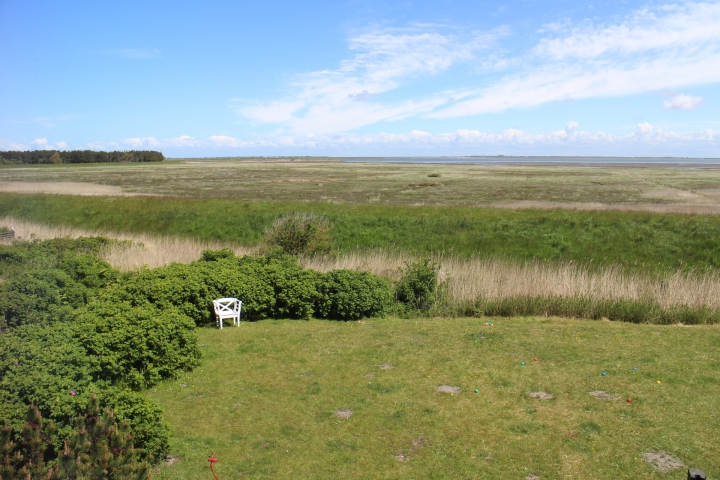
point(681, 190)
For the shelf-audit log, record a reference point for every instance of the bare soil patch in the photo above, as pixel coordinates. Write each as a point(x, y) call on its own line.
point(540, 395)
point(385, 366)
point(662, 461)
point(344, 413)
point(64, 188)
point(448, 389)
point(603, 395)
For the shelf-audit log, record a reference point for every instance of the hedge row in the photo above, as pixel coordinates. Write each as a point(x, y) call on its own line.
point(270, 287)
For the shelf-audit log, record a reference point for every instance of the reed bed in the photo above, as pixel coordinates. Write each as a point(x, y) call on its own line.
point(466, 280)
point(136, 251)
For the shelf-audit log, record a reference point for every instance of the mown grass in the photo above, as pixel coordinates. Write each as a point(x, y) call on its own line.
point(264, 398)
point(652, 241)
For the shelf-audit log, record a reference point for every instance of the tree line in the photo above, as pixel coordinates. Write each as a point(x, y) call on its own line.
point(13, 157)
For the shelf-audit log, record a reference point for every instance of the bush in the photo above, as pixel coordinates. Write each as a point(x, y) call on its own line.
point(36, 296)
point(300, 234)
point(270, 287)
point(215, 255)
point(351, 295)
point(51, 368)
point(418, 286)
point(137, 346)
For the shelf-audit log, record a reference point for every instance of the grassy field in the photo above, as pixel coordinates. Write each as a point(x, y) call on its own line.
point(654, 241)
point(265, 398)
point(675, 189)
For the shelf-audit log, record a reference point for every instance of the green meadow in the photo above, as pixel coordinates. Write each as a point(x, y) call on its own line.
point(266, 400)
point(649, 240)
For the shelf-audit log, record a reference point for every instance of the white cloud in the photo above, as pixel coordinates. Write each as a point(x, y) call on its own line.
point(141, 142)
point(338, 100)
point(682, 102)
point(36, 144)
point(644, 128)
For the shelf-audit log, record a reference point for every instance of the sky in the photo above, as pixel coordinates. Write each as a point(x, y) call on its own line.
point(362, 78)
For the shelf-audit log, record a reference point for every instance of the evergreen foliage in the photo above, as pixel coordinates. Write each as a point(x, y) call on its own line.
point(100, 447)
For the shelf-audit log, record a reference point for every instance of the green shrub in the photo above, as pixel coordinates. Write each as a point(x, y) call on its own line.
point(215, 255)
point(150, 433)
point(418, 286)
point(36, 296)
point(49, 366)
point(137, 346)
point(351, 295)
point(300, 234)
point(89, 270)
point(270, 287)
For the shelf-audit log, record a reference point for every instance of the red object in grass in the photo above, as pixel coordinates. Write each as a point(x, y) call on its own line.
point(535, 359)
point(629, 400)
point(212, 459)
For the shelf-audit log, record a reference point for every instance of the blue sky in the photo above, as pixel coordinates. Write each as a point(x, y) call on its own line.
point(362, 78)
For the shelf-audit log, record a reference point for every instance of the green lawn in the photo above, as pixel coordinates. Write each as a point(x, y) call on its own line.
point(264, 398)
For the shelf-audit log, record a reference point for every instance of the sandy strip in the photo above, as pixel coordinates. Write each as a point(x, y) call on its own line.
point(65, 188)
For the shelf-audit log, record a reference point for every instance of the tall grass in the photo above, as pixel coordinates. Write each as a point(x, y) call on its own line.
point(140, 249)
point(607, 238)
point(473, 285)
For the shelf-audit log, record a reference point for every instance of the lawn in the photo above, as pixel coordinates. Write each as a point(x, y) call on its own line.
point(265, 397)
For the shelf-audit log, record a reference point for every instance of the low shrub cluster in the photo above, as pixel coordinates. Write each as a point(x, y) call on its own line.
point(273, 286)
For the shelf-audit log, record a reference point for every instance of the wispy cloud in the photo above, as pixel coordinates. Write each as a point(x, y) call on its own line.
point(342, 99)
point(137, 53)
point(653, 49)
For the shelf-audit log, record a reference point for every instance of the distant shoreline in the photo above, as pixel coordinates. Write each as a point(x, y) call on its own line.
point(497, 160)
